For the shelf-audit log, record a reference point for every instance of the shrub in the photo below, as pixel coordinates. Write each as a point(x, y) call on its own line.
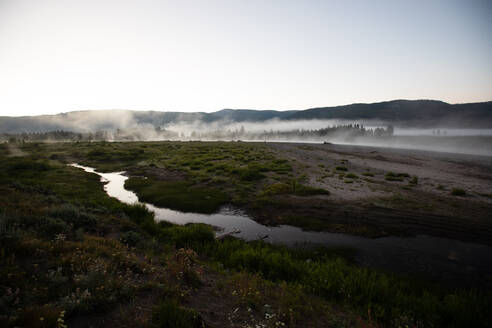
point(250, 174)
point(277, 189)
point(52, 227)
point(75, 217)
point(9, 232)
point(96, 153)
point(191, 235)
point(168, 314)
point(351, 176)
point(38, 316)
point(26, 165)
point(131, 238)
point(458, 192)
point(294, 187)
point(391, 176)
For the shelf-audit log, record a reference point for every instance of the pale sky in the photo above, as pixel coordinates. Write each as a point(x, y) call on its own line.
point(63, 55)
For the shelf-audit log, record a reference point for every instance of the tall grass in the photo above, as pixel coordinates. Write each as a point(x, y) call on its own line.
point(388, 298)
point(178, 195)
point(168, 314)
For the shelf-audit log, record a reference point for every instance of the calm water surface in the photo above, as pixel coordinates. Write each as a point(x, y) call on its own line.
point(450, 261)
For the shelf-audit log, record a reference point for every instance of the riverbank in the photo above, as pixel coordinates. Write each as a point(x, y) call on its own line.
point(385, 191)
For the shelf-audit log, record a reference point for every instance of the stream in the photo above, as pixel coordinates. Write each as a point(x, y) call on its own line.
point(448, 261)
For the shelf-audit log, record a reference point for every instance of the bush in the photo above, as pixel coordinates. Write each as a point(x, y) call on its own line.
point(277, 189)
point(75, 217)
point(458, 192)
point(96, 153)
point(391, 176)
point(53, 226)
point(131, 238)
point(191, 235)
point(168, 314)
point(26, 165)
point(294, 187)
point(30, 317)
point(250, 174)
point(9, 232)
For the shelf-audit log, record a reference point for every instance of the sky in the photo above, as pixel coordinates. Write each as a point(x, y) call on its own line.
point(63, 55)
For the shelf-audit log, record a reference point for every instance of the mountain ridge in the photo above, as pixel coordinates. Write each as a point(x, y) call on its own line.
point(400, 112)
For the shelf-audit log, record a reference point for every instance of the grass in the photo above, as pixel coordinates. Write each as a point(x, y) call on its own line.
point(391, 176)
point(293, 187)
point(351, 176)
point(169, 314)
point(389, 298)
point(341, 168)
point(178, 195)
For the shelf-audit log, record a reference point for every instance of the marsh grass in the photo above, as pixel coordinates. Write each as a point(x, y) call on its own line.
point(387, 297)
point(391, 176)
point(177, 195)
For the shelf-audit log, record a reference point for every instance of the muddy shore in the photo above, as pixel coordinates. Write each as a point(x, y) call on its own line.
point(378, 191)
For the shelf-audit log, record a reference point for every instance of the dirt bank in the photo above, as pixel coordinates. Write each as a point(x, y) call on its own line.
point(380, 191)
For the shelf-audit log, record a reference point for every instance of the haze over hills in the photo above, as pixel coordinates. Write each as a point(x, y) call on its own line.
point(399, 113)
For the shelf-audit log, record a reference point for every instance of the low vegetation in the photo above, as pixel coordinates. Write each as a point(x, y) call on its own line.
point(178, 195)
point(71, 255)
point(391, 176)
point(458, 192)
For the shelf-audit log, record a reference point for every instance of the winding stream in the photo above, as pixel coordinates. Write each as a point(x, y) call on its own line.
point(449, 261)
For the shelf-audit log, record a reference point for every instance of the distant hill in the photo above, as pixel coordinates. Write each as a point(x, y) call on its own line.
point(93, 120)
point(248, 115)
point(403, 113)
point(408, 113)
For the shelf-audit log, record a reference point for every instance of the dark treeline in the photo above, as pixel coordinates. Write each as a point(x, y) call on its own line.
point(58, 135)
point(338, 131)
point(117, 135)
